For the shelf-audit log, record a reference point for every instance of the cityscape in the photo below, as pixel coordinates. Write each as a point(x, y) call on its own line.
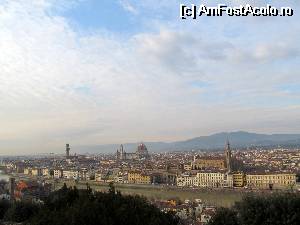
point(181, 173)
point(149, 112)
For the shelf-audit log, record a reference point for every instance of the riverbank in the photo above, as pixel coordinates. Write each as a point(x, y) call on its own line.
point(225, 198)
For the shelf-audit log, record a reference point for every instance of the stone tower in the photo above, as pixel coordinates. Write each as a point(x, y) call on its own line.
point(122, 152)
point(228, 156)
point(67, 150)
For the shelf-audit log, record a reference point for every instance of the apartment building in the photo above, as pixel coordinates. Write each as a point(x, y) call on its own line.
point(27, 171)
point(212, 179)
point(45, 172)
point(36, 172)
point(57, 173)
point(187, 180)
point(187, 167)
point(270, 180)
point(139, 178)
point(71, 174)
point(238, 179)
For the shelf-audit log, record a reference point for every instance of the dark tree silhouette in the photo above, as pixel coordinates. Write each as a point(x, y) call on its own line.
point(4, 206)
point(83, 207)
point(275, 209)
point(224, 216)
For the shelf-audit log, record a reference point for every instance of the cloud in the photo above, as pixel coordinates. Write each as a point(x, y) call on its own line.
point(275, 51)
point(181, 53)
point(265, 53)
point(128, 7)
point(169, 82)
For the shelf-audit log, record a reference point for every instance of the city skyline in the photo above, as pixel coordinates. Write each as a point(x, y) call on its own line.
point(126, 70)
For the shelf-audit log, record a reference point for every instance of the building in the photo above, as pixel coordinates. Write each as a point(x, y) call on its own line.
point(99, 176)
point(121, 178)
point(238, 179)
point(202, 163)
point(45, 172)
point(19, 167)
point(187, 167)
point(212, 179)
point(169, 177)
point(229, 180)
point(84, 174)
point(271, 180)
point(141, 153)
point(228, 157)
point(206, 215)
point(67, 151)
point(164, 177)
point(69, 157)
point(187, 180)
point(27, 171)
point(139, 178)
point(57, 173)
point(71, 174)
point(36, 172)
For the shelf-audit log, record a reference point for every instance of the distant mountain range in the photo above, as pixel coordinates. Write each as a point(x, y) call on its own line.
point(239, 139)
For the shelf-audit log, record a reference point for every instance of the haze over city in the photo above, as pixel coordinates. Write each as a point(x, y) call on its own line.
point(165, 112)
point(100, 72)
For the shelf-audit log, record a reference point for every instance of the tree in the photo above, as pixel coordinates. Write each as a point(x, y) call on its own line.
point(271, 209)
point(112, 189)
point(224, 216)
point(21, 211)
point(4, 206)
point(88, 208)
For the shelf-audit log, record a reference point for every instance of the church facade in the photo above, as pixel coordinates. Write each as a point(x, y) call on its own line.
point(141, 153)
point(201, 163)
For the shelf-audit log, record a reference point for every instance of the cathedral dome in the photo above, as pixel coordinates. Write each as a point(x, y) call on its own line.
point(142, 147)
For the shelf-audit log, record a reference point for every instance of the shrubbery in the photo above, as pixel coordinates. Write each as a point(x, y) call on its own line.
point(276, 209)
point(83, 207)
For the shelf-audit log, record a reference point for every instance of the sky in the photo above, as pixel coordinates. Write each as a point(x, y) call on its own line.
point(89, 72)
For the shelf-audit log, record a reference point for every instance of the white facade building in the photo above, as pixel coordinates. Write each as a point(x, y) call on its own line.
point(57, 173)
point(205, 179)
point(211, 179)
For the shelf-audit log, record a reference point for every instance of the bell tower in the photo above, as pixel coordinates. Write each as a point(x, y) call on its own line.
point(122, 152)
point(67, 151)
point(228, 156)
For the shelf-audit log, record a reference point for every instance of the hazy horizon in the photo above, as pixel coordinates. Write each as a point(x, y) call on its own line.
point(91, 148)
point(122, 71)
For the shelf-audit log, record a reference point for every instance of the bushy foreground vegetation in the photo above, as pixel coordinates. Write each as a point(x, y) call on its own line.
point(83, 207)
point(277, 209)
